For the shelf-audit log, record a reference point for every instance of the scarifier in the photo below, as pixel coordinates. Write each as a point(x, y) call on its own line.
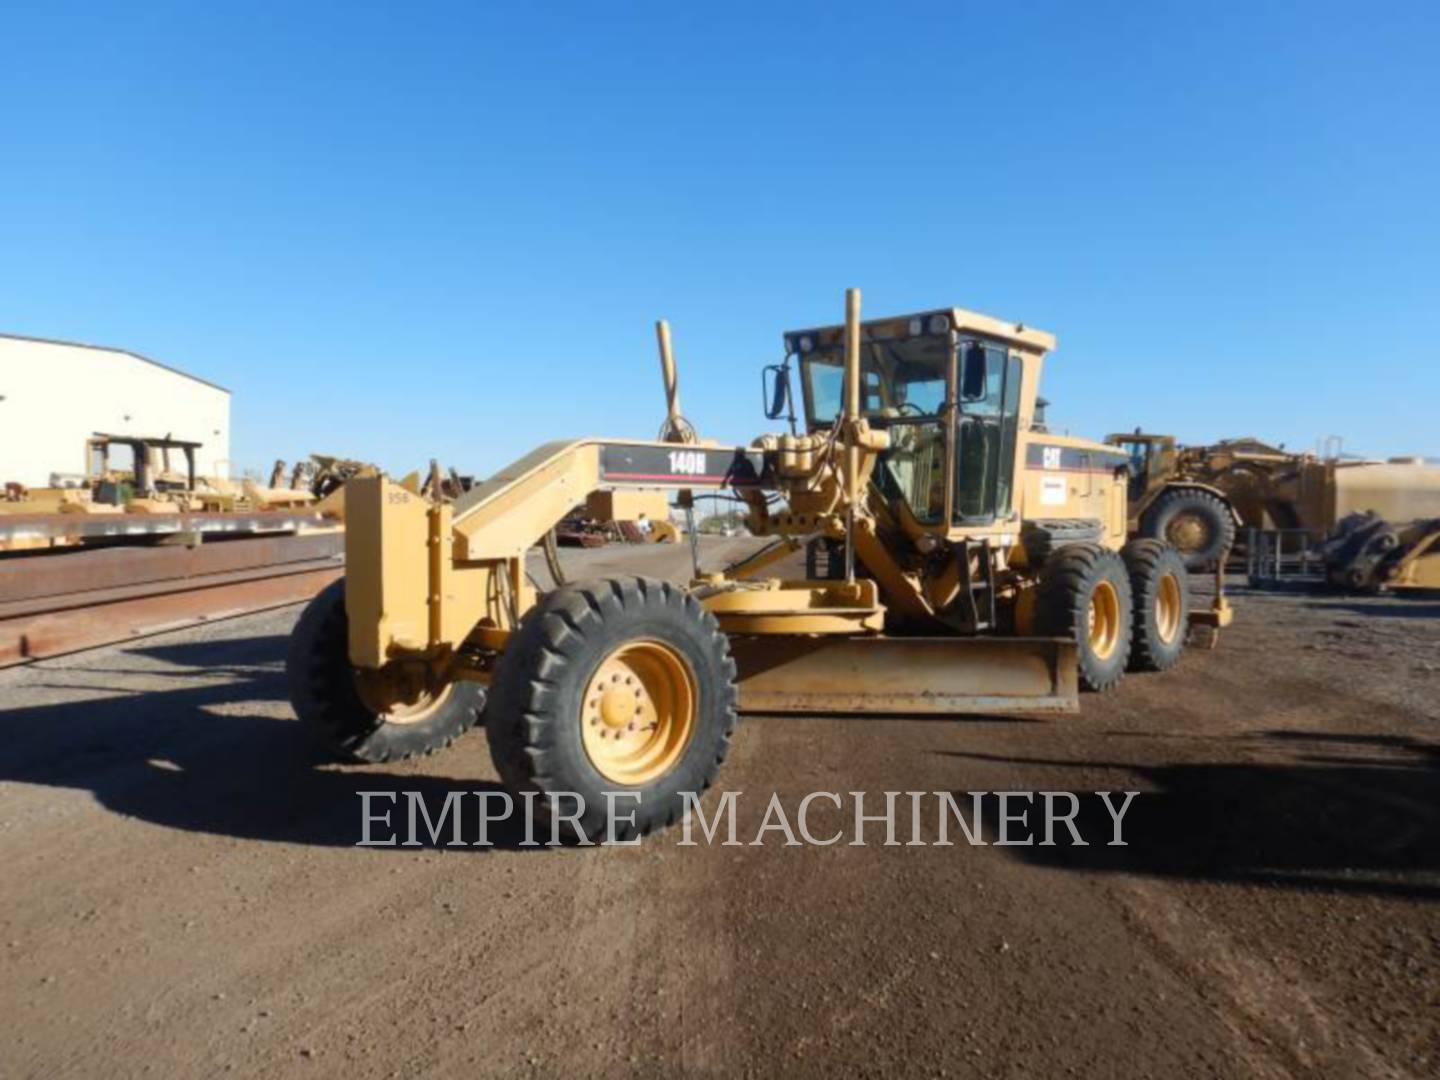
point(959, 558)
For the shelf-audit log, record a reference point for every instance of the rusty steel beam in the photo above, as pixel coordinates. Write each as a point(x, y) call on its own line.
point(92, 528)
point(54, 633)
point(63, 571)
point(97, 597)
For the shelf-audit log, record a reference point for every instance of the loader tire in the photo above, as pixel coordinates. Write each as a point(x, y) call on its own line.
point(1160, 591)
point(326, 694)
point(624, 686)
point(1084, 594)
point(1196, 523)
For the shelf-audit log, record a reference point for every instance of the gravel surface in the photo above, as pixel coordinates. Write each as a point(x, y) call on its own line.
point(182, 896)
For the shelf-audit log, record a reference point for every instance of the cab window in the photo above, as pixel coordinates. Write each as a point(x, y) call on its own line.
point(1138, 457)
point(987, 434)
point(1137, 463)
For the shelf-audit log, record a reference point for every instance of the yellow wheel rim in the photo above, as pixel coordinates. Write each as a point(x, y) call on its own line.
point(1187, 532)
point(1104, 628)
point(1167, 608)
point(638, 712)
point(401, 694)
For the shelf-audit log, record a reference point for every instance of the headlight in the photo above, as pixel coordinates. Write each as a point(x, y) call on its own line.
point(939, 324)
point(917, 327)
point(806, 344)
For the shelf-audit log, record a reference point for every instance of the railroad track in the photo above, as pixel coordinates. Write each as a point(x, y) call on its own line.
point(72, 600)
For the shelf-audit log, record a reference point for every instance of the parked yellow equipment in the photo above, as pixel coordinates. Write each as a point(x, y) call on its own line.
point(958, 559)
point(1367, 553)
point(1318, 495)
point(1372, 523)
point(1191, 497)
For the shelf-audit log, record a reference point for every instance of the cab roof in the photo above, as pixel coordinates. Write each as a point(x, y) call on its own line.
point(938, 320)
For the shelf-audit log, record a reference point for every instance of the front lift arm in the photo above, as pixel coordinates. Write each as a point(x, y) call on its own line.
point(470, 582)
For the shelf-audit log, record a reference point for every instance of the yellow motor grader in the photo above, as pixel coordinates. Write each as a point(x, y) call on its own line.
point(958, 559)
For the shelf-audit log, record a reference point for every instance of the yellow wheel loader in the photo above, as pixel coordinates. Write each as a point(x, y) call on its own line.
point(1186, 496)
point(958, 559)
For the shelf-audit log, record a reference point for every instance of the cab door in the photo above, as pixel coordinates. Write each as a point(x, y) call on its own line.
point(986, 433)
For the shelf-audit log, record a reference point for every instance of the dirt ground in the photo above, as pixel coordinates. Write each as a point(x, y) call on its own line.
point(180, 894)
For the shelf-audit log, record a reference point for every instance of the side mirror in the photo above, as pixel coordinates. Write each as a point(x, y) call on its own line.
point(972, 373)
point(775, 380)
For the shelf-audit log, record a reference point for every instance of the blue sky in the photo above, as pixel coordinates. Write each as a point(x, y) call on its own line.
point(398, 231)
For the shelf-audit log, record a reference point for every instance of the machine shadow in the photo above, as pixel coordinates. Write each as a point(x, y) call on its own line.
point(204, 758)
point(1332, 819)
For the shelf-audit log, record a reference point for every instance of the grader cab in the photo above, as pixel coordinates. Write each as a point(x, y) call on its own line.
point(958, 558)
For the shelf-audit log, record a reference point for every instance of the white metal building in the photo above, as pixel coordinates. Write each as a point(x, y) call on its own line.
point(56, 394)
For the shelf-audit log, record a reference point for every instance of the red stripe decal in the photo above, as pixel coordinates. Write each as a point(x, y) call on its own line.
point(680, 479)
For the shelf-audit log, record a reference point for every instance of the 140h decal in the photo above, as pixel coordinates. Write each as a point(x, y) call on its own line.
point(687, 462)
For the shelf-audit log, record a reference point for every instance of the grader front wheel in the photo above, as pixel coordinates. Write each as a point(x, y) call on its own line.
point(624, 685)
point(398, 712)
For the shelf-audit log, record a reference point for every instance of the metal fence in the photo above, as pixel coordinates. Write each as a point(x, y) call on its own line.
point(1281, 557)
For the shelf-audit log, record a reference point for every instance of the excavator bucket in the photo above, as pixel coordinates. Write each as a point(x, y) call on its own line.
point(901, 676)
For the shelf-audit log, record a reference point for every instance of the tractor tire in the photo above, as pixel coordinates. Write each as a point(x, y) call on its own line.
point(623, 685)
point(326, 695)
point(1084, 594)
point(1042, 537)
point(1160, 592)
point(1196, 523)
